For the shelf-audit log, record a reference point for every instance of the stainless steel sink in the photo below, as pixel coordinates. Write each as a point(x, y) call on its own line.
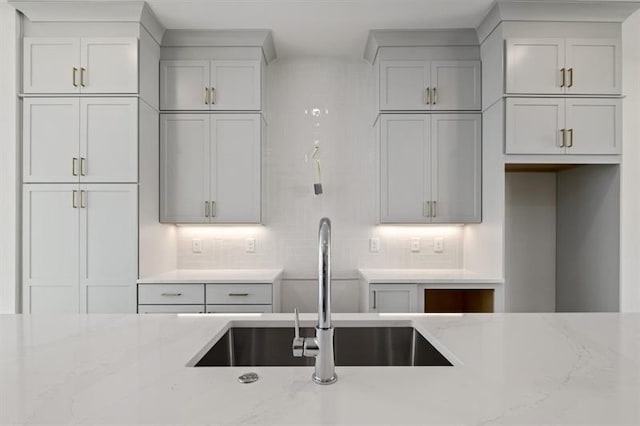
point(354, 346)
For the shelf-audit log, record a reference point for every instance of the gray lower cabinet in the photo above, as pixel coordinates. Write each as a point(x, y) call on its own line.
point(209, 298)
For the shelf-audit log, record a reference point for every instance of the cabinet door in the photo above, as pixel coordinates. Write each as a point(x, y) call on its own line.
point(184, 85)
point(235, 85)
point(51, 241)
point(108, 140)
point(109, 65)
point(456, 151)
point(392, 298)
point(455, 85)
point(533, 126)
point(184, 168)
point(108, 247)
point(534, 65)
point(404, 85)
point(51, 65)
point(51, 140)
point(235, 168)
point(594, 126)
point(594, 65)
point(405, 158)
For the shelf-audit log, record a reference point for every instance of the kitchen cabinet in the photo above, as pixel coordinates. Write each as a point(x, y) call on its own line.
point(80, 65)
point(210, 168)
point(430, 168)
point(217, 85)
point(392, 298)
point(416, 85)
point(87, 260)
point(563, 66)
point(563, 126)
point(80, 140)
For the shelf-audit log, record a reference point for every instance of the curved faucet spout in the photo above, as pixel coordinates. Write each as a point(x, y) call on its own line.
point(324, 274)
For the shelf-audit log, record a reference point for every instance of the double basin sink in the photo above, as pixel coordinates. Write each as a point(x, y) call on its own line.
point(354, 346)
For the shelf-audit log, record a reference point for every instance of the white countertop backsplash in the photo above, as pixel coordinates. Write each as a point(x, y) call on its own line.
point(212, 276)
point(131, 369)
point(426, 276)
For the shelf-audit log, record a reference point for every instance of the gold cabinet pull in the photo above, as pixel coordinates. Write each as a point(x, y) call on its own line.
point(435, 96)
point(570, 78)
point(564, 77)
point(212, 100)
point(73, 199)
point(427, 96)
point(74, 166)
point(213, 209)
point(206, 209)
point(82, 71)
point(73, 76)
point(83, 163)
point(206, 96)
point(82, 199)
point(570, 138)
point(564, 137)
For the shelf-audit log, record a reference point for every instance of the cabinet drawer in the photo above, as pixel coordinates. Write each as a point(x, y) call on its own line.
point(170, 309)
point(170, 294)
point(265, 309)
point(239, 294)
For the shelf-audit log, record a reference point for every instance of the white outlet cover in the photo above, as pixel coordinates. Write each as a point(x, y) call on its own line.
point(250, 245)
point(374, 245)
point(415, 244)
point(438, 245)
point(196, 245)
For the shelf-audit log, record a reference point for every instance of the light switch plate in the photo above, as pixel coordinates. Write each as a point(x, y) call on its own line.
point(415, 244)
point(250, 245)
point(374, 245)
point(196, 245)
point(438, 245)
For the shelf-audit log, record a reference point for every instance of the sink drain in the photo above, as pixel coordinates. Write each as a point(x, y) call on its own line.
point(248, 378)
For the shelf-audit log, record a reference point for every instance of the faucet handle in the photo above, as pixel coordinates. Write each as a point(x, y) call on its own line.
point(298, 342)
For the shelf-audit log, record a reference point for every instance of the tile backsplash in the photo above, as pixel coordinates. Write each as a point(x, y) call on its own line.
point(341, 92)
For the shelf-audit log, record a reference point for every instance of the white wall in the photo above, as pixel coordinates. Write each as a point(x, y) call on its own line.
point(530, 233)
point(630, 169)
point(9, 194)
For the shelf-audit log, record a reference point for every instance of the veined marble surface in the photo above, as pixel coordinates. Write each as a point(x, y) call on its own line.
point(131, 369)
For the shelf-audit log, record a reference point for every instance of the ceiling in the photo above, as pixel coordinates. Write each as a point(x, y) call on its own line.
point(331, 28)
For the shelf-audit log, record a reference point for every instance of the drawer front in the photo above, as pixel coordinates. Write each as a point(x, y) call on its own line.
point(239, 294)
point(265, 309)
point(170, 309)
point(170, 294)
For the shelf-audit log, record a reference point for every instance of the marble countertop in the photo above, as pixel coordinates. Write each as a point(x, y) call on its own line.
point(426, 276)
point(195, 276)
point(131, 369)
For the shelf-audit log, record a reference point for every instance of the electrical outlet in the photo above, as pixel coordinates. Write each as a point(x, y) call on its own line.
point(374, 245)
point(196, 245)
point(250, 245)
point(415, 244)
point(438, 245)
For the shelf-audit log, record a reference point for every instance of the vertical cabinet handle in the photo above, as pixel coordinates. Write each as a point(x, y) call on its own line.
point(564, 77)
point(374, 299)
point(570, 78)
point(434, 209)
point(82, 199)
point(427, 96)
point(206, 209)
point(435, 97)
point(570, 138)
point(73, 76)
point(82, 71)
point(73, 199)
point(83, 162)
point(213, 96)
point(213, 209)
point(564, 138)
point(206, 96)
point(74, 166)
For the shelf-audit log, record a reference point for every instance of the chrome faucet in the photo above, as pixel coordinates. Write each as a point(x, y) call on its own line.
point(321, 346)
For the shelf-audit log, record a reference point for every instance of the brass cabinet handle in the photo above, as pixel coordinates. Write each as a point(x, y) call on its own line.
point(238, 294)
point(435, 96)
point(374, 299)
point(171, 294)
point(75, 71)
point(83, 162)
point(564, 77)
point(74, 166)
point(82, 71)
point(213, 209)
point(213, 96)
point(206, 209)
point(570, 138)
point(427, 96)
point(206, 96)
point(564, 137)
point(434, 209)
point(82, 200)
point(73, 199)
point(570, 78)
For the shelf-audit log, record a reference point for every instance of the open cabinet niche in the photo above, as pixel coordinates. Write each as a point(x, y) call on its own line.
point(562, 237)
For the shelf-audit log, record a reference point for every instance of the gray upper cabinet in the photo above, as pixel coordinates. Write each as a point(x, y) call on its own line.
point(430, 168)
point(418, 85)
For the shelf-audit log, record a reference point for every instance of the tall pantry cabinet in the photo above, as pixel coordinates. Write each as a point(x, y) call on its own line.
point(81, 134)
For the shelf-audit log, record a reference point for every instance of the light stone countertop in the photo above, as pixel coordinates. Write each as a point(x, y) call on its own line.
point(198, 276)
point(426, 276)
point(131, 369)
